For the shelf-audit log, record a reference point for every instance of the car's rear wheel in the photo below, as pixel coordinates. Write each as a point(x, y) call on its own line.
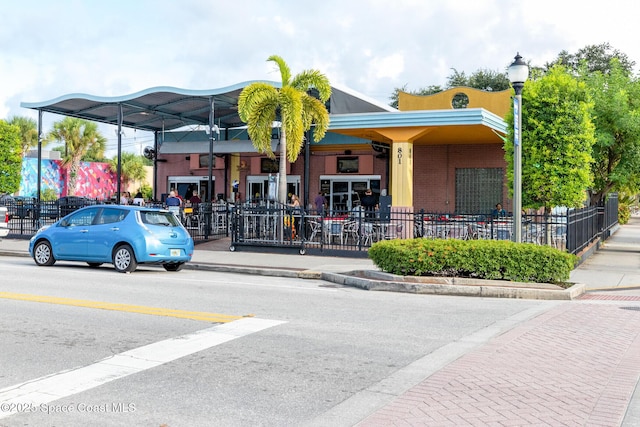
point(94, 264)
point(124, 259)
point(42, 254)
point(176, 266)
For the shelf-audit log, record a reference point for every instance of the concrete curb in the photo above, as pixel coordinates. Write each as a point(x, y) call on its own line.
point(14, 253)
point(479, 288)
point(262, 271)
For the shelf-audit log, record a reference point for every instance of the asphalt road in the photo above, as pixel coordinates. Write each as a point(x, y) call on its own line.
point(199, 348)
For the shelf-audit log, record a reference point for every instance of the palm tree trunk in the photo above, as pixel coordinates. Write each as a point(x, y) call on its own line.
point(282, 179)
point(282, 182)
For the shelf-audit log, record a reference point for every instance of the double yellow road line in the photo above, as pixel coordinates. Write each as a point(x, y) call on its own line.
point(154, 311)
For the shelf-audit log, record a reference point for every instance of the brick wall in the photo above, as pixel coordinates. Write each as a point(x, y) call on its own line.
point(434, 172)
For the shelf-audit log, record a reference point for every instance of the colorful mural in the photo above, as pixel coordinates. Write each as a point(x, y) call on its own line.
point(95, 180)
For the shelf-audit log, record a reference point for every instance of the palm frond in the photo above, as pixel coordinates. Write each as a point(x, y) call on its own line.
point(285, 72)
point(252, 96)
point(315, 113)
point(313, 79)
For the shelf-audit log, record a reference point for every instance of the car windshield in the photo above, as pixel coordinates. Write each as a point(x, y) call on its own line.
point(159, 218)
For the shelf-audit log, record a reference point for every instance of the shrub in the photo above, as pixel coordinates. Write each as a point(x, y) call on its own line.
point(483, 259)
point(624, 213)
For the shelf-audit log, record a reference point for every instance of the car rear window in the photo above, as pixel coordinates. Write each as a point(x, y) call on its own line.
point(159, 218)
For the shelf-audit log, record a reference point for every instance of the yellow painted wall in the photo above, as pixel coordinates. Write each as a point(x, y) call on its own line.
point(498, 103)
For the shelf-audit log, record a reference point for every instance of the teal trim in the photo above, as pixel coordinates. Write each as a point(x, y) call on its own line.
point(459, 117)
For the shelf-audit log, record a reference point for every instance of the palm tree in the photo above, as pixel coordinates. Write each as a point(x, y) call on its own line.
point(261, 104)
point(78, 136)
point(28, 132)
point(132, 167)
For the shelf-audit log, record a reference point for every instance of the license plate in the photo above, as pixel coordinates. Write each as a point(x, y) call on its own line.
point(175, 252)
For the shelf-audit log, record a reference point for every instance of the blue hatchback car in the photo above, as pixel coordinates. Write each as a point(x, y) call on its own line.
point(122, 235)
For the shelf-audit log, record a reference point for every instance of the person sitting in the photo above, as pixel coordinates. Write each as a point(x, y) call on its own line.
point(195, 199)
point(173, 203)
point(499, 212)
point(138, 199)
point(357, 212)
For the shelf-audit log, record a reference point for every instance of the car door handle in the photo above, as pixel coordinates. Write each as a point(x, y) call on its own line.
point(84, 230)
point(115, 229)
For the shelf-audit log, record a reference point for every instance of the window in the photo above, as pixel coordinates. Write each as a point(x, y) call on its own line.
point(203, 161)
point(478, 189)
point(166, 219)
point(81, 218)
point(347, 165)
point(268, 165)
point(111, 215)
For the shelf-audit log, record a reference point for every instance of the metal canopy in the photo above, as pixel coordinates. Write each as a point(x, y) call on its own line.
point(169, 108)
point(154, 109)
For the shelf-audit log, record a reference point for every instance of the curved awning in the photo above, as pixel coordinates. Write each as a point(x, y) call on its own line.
point(169, 108)
point(153, 109)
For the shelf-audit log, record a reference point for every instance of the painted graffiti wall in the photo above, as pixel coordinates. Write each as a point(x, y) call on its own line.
point(95, 180)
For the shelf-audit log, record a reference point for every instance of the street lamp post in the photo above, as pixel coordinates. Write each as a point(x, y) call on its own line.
point(518, 73)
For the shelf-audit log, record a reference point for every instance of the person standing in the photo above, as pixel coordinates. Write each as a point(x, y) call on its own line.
point(320, 203)
point(295, 217)
point(369, 203)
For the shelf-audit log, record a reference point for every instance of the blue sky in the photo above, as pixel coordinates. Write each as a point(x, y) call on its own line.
point(117, 47)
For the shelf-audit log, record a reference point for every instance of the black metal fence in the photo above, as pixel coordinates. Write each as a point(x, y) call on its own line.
point(269, 224)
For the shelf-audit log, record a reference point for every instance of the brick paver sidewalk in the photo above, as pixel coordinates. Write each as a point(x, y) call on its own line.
point(575, 365)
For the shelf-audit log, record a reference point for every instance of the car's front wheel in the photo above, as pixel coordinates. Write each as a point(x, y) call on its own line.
point(177, 266)
point(42, 254)
point(124, 259)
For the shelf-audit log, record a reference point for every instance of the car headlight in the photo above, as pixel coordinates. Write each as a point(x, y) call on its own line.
point(41, 229)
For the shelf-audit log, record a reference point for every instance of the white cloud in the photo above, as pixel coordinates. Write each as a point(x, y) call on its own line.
point(387, 67)
point(373, 46)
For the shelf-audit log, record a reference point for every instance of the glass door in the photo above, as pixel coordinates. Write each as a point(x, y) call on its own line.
point(344, 193)
point(258, 186)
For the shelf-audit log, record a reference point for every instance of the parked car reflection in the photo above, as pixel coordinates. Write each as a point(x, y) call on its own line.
point(122, 235)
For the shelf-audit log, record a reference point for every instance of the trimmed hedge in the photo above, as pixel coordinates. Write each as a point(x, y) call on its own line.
point(482, 259)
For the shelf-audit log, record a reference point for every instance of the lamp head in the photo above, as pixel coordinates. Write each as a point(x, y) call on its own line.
point(518, 71)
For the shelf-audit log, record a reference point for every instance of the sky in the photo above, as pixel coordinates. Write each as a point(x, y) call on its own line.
point(119, 47)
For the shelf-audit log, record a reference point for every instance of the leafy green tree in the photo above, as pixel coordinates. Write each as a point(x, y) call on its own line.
point(489, 80)
point(596, 58)
point(28, 132)
point(616, 117)
point(95, 153)
point(132, 167)
point(261, 104)
point(78, 136)
point(10, 158)
point(557, 141)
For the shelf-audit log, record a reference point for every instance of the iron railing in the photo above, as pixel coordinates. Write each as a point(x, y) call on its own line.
point(264, 223)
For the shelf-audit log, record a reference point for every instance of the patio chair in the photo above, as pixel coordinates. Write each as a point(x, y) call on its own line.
point(315, 227)
point(350, 230)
